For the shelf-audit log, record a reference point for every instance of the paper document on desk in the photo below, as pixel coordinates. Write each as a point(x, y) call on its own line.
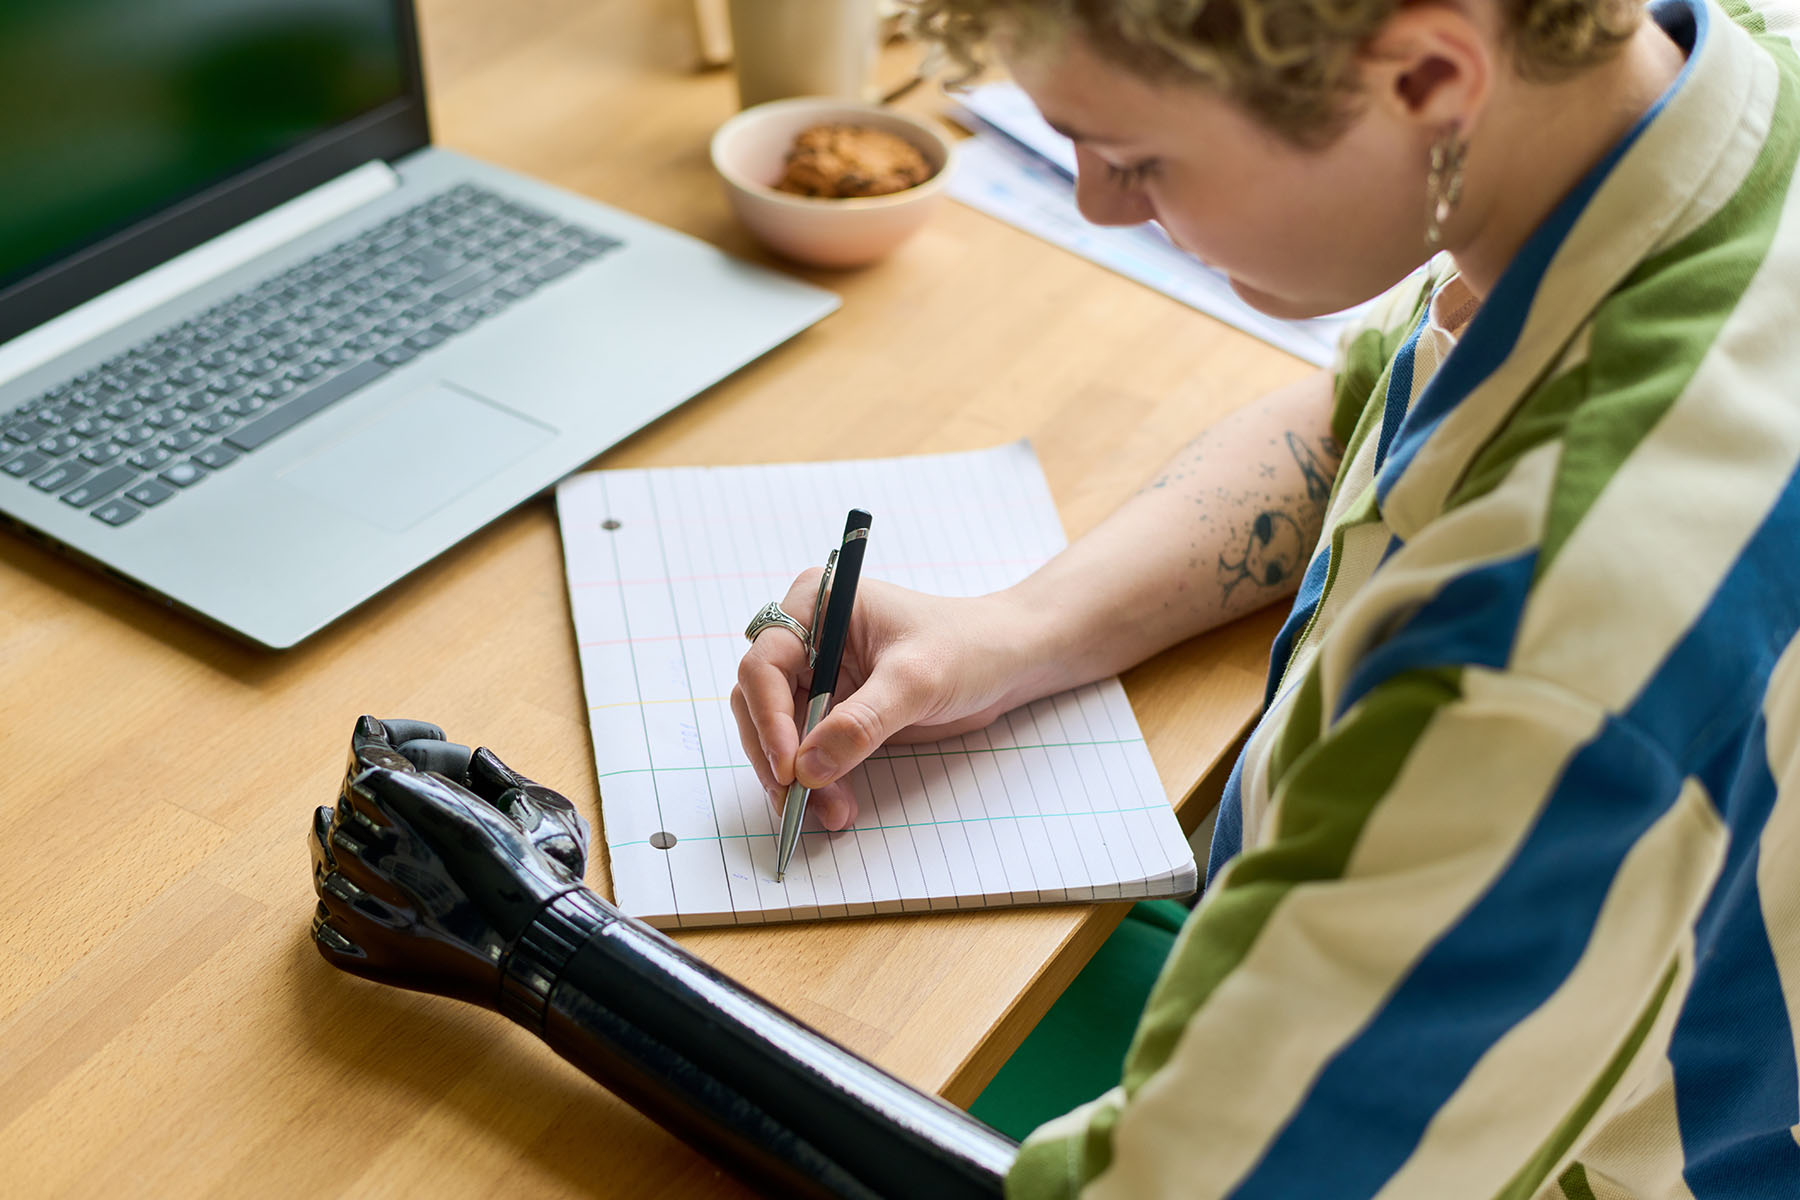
point(1022, 171)
point(1055, 801)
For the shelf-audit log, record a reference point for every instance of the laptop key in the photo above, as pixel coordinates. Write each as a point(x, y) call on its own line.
point(556, 268)
point(433, 266)
point(217, 456)
point(104, 484)
point(462, 287)
point(101, 453)
point(134, 435)
point(291, 413)
point(183, 474)
point(116, 512)
point(182, 439)
point(150, 493)
point(60, 476)
point(26, 464)
point(26, 431)
point(59, 444)
point(151, 458)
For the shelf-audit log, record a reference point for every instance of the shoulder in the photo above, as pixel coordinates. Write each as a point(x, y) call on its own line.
point(1367, 347)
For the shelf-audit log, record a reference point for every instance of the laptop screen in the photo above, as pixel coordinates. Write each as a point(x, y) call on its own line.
point(118, 109)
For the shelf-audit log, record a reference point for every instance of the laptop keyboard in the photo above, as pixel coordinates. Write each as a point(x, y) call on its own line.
point(164, 416)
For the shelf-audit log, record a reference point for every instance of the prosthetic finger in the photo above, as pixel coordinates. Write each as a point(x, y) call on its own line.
point(400, 731)
point(490, 778)
point(448, 759)
point(338, 948)
point(351, 905)
point(543, 814)
point(359, 812)
point(338, 849)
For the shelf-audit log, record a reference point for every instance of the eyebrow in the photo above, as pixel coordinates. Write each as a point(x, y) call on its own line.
point(1075, 135)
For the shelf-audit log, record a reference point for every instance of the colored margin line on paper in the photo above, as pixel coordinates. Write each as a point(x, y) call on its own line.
point(670, 700)
point(718, 837)
point(732, 766)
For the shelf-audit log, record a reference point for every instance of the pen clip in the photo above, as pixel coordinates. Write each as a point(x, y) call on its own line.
point(812, 634)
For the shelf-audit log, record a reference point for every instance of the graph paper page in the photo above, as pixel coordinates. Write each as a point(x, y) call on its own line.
point(1055, 801)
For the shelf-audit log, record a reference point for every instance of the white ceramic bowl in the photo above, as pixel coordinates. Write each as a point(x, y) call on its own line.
point(750, 153)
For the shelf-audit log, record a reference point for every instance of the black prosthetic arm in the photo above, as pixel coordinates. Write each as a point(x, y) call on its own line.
point(464, 881)
point(731, 1073)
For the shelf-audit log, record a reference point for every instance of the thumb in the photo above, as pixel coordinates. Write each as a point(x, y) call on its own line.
point(893, 697)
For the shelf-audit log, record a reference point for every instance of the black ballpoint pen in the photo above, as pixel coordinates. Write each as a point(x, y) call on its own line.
point(828, 644)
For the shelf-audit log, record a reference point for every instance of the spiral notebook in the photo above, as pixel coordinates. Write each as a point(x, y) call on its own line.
point(1055, 801)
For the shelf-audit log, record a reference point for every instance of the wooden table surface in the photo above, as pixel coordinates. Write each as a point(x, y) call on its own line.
point(166, 1027)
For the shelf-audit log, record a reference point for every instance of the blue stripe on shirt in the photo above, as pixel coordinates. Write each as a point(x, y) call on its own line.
point(1470, 621)
point(1399, 389)
point(1306, 603)
point(1733, 1051)
point(1228, 826)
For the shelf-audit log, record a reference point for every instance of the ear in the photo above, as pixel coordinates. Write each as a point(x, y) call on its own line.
point(1431, 65)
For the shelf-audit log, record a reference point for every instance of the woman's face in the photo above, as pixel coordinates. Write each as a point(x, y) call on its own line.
point(1299, 232)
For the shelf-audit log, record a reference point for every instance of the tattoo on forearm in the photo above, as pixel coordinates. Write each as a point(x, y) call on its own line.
point(1271, 556)
point(1283, 521)
point(1275, 550)
point(1317, 474)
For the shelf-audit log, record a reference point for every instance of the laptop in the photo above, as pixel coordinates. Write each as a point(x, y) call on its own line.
point(264, 349)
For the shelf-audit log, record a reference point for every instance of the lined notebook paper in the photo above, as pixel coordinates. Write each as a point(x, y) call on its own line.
point(1055, 801)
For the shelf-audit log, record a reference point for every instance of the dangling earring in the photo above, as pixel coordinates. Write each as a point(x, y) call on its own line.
point(1444, 182)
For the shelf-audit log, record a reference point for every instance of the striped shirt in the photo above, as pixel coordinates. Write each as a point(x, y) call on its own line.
point(1506, 892)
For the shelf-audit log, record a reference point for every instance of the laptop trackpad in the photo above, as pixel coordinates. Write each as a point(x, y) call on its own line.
point(417, 455)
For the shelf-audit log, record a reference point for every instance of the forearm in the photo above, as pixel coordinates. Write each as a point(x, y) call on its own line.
point(722, 1068)
point(1225, 528)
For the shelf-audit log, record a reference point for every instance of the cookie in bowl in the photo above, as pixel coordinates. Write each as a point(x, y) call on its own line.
point(849, 198)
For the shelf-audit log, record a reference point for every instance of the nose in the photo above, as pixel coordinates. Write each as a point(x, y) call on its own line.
point(1101, 200)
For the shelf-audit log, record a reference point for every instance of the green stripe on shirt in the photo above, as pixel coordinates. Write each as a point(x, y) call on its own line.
point(1652, 333)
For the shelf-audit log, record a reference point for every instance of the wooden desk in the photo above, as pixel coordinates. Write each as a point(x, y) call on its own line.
point(165, 1025)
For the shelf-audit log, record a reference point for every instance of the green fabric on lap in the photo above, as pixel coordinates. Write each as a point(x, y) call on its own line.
point(1078, 1050)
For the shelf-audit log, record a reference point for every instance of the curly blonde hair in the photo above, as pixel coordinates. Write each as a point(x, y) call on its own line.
point(1290, 63)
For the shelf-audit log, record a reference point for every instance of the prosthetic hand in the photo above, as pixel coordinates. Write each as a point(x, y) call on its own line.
point(443, 870)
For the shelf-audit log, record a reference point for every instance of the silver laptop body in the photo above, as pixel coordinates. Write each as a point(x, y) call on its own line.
point(300, 517)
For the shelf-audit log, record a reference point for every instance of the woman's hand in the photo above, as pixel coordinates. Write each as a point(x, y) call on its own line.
point(916, 668)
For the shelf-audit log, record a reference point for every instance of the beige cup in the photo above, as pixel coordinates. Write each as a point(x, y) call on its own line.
point(788, 48)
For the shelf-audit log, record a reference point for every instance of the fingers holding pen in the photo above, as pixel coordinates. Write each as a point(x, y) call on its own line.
point(768, 675)
point(752, 741)
point(895, 695)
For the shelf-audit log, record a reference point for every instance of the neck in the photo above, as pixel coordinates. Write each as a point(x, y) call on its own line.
point(1539, 141)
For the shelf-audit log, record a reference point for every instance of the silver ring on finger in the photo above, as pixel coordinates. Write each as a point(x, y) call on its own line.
point(773, 614)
